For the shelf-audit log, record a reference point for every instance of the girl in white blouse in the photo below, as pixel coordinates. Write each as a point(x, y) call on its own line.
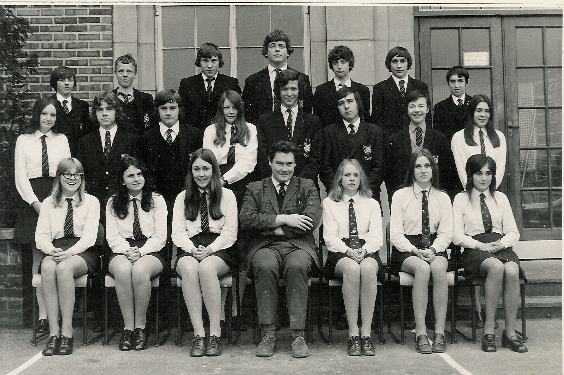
point(484, 225)
point(421, 231)
point(66, 233)
point(233, 142)
point(38, 152)
point(352, 230)
point(136, 230)
point(204, 228)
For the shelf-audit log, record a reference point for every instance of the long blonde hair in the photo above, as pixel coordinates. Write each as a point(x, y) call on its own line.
point(337, 190)
point(66, 165)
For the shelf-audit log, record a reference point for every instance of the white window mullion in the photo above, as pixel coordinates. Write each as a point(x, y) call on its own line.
point(306, 41)
point(159, 73)
point(233, 40)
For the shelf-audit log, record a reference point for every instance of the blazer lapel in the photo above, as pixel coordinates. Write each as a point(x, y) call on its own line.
point(392, 86)
point(290, 192)
point(265, 85)
point(358, 138)
point(270, 191)
point(406, 142)
point(299, 126)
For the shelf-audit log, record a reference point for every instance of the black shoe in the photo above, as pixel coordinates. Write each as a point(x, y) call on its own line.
point(266, 346)
point(65, 347)
point(214, 347)
point(42, 326)
point(52, 346)
point(354, 346)
point(439, 345)
point(140, 339)
point(198, 347)
point(488, 343)
point(422, 345)
point(514, 343)
point(366, 346)
point(125, 342)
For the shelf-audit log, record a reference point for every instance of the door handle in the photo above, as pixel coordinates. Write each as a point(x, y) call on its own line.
point(511, 125)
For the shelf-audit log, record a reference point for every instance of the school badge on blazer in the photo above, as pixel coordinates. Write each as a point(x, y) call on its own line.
point(306, 147)
point(367, 152)
point(146, 120)
point(436, 158)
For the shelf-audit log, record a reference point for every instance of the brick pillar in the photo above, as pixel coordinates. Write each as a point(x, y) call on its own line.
point(11, 292)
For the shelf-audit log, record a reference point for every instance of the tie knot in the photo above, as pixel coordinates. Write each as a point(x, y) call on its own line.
point(460, 102)
point(43, 137)
point(69, 201)
point(482, 196)
point(401, 82)
point(134, 200)
point(210, 79)
point(108, 133)
point(424, 192)
point(351, 201)
point(169, 131)
point(278, 71)
point(281, 186)
point(289, 111)
point(351, 129)
point(481, 132)
point(65, 102)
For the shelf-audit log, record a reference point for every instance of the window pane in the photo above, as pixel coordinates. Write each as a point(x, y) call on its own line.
point(253, 23)
point(529, 46)
point(213, 25)
point(249, 61)
point(535, 209)
point(556, 167)
point(296, 61)
point(553, 43)
point(444, 48)
point(557, 208)
point(290, 20)
point(530, 89)
point(480, 82)
point(178, 26)
point(476, 40)
point(554, 77)
point(179, 63)
point(440, 86)
point(534, 168)
point(555, 126)
point(532, 129)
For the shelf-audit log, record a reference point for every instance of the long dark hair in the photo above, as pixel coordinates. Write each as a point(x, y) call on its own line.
point(38, 107)
point(120, 200)
point(410, 174)
point(192, 197)
point(243, 135)
point(469, 125)
point(474, 164)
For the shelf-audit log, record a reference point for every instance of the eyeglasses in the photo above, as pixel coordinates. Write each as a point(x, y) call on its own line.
point(72, 176)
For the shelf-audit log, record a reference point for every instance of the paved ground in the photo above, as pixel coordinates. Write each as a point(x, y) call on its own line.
point(544, 357)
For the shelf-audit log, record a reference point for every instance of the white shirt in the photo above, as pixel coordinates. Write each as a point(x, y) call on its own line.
point(276, 184)
point(467, 216)
point(245, 156)
point(355, 124)
point(204, 77)
point(462, 152)
point(184, 229)
point(455, 99)
point(405, 217)
point(69, 101)
point(112, 130)
point(153, 226)
point(294, 110)
point(28, 159)
point(175, 130)
point(51, 223)
point(336, 81)
point(396, 80)
point(272, 74)
point(336, 223)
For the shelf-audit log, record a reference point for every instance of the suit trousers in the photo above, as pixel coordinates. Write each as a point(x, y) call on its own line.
point(294, 264)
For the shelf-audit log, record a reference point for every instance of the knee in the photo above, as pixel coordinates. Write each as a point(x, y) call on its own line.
point(369, 268)
point(422, 270)
point(64, 269)
point(511, 271)
point(139, 275)
point(295, 269)
point(495, 267)
point(48, 267)
point(120, 269)
point(206, 269)
point(186, 267)
point(351, 272)
point(265, 266)
point(439, 267)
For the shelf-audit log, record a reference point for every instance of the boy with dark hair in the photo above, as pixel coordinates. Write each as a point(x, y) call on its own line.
point(136, 106)
point(258, 93)
point(388, 97)
point(199, 93)
point(341, 62)
point(73, 117)
point(449, 114)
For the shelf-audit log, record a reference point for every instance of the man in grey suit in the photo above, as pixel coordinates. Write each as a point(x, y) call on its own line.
point(282, 211)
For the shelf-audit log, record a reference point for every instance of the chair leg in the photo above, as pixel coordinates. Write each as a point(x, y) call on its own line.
point(380, 316)
point(452, 316)
point(34, 318)
point(105, 316)
point(308, 335)
point(179, 309)
point(402, 336)
point(238, 304)
point(85, 314)
point(523, 315)
point(157, 331)
point(330, 315)
point(228, 313)
point(473, 303)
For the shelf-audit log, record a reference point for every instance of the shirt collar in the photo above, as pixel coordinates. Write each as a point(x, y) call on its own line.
point(412, 127)
point(60, 99)
point(417, 189)
point(112, 130)
point(347, 198)
point(38, 134)
point(356, 124)
point(131, 197)
point(277, 184)
point(455, 99)
point(396, 80)
point(273, 69)
point(347, 83)
point(175, 128)
point(477, 131)
point(204, 77)
point(476, 193)
point(294, 109)
point(125, 92)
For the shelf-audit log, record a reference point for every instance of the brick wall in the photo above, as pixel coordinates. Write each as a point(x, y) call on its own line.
point(79, 37)
point(11, 298)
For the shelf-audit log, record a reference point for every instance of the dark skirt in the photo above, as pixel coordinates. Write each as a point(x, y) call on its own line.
point(161, 255)
point(26, 217)
point(472, 258)
point(89, 255)
point(334, 257)
point(238, 188)
point(229, 255)
point(399, 256)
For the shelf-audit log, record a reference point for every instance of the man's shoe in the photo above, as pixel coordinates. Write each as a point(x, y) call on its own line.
point(366, 346)
point(126, 340)
point(488, 343)
point(52, 346)
point(513, 343)
point(140, 338)
point(266, 346)
point(213, 348)
point(353, 346)
point(422, 345)
point(65, 347)
point(439, 345)
point(299, 348)
point(42, 326)
point(198, 347)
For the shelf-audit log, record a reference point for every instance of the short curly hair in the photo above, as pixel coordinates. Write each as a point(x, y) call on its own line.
point(207, 51)
point(276, 36)
point(340, 52)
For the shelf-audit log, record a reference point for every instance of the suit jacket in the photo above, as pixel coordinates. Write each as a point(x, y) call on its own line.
point(325, 102)
point(257, 95)
point(74, 125)
point(198, 108)
point(448, 118)
point(388, 106)
point(367, 146)
point(145, 113)
point(271, 129)
point(260, 208)
point(398, 152)
point(101, 173)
